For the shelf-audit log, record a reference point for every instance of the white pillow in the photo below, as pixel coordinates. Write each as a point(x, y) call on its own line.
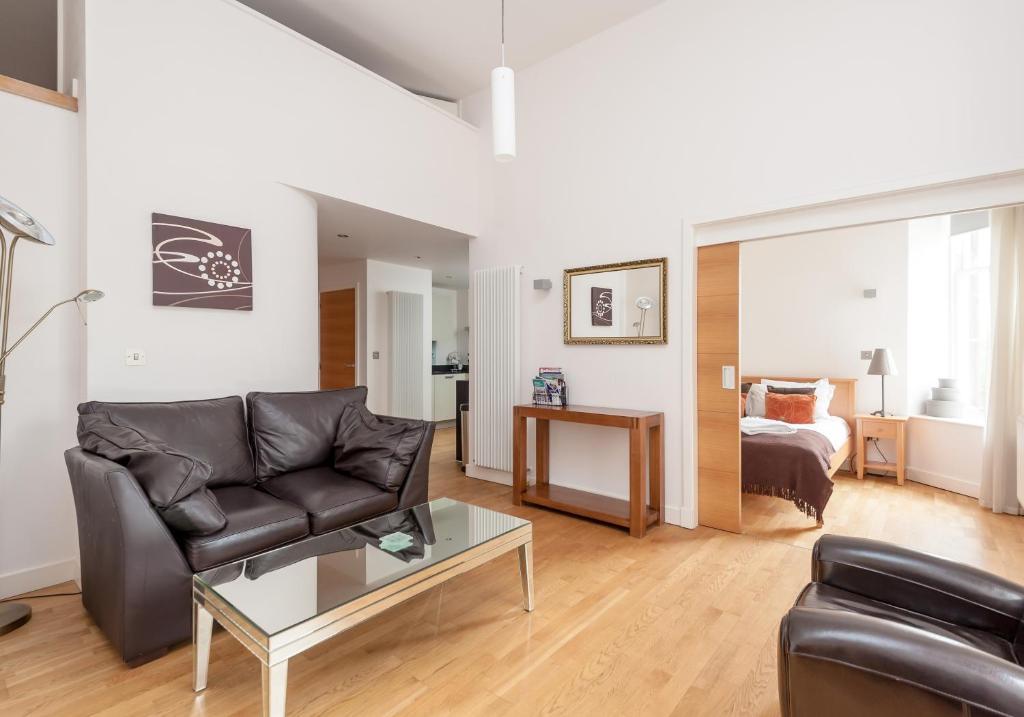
point(823, 392)
point(755, 400)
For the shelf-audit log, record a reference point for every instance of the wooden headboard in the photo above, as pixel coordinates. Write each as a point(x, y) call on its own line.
point(844, 402)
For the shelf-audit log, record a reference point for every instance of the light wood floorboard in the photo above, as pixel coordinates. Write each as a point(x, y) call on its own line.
point(679, 623)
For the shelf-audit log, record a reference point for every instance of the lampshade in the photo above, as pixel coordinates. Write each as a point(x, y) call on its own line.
point(90, 295)
point(882, 363)
point(21, 224)
point(503, 113)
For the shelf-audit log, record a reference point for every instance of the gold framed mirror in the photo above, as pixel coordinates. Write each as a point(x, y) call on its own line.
point(624, 303)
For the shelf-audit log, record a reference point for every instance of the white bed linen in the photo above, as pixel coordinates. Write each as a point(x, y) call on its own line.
point(834, 428)
point(752, 425)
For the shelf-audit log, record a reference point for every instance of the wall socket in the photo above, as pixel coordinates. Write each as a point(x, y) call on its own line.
point(866, 355)
point(134, 357)
point(376, 354)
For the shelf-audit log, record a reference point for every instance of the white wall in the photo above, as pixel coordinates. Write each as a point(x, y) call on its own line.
point(382, 277)
point(39, 172)
point(350, 275)
point(803, 311)
point(945, 454)
point(444, 328)
point(245, 109)
point(693, 111)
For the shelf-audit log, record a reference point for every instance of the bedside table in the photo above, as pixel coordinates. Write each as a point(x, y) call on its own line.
point(890, 427)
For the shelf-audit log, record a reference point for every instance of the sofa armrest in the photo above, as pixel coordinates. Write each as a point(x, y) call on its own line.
point(925, 584)
point(136, 583)
point(844, 664)
point(414, 489)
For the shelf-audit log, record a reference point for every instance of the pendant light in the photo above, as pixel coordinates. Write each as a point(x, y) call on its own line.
point(503, 104)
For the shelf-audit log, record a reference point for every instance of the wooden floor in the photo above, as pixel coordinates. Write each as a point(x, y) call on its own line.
point(679, 623)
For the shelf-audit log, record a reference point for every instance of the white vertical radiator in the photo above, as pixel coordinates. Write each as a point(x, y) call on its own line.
point(406, 367)
point(494, 364)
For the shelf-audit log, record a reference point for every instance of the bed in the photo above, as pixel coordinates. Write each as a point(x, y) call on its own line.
point(799, 465)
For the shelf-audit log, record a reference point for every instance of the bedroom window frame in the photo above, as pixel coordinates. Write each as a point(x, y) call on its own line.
point(970, 318)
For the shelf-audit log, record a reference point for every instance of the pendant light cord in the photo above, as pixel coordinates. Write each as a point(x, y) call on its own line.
point(502, 33)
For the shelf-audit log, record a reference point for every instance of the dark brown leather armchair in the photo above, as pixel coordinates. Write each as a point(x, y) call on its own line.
point(883, 630)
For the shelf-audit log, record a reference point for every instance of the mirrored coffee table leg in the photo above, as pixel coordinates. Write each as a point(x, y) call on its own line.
point(275, 687)
point(526, 573)
point(202, 633)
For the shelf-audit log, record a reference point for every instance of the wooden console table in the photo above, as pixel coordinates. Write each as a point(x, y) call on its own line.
point(646, 456)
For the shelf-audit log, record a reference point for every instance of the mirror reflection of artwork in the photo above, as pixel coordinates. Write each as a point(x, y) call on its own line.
point(600, 306)
point(621, 303)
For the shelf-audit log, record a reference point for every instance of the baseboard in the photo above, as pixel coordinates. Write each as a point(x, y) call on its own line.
point(42, 576)
point(945, 482)
point(489, 474)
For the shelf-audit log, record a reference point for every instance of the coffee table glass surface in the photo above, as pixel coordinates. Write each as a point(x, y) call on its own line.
point(284, 601)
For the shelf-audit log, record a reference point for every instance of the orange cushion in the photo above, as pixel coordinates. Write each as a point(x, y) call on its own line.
point(791, 408)
point(743, 405)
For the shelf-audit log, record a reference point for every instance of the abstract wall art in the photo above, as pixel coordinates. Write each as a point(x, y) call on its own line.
point(600, 306)
point(201, 265)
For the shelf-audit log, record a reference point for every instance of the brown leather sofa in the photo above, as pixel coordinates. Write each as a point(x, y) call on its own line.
point(272, 476)
point(883, 630)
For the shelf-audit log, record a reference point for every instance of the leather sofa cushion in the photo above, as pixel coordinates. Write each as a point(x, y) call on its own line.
point(256, 522)
point(332, 500)
point(174, 482)
point(197, 514)
point(211, 430)
point(293, 431)
point(376, 450)
point(822, 596)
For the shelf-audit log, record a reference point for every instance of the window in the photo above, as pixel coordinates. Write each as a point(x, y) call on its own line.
point(970, 316)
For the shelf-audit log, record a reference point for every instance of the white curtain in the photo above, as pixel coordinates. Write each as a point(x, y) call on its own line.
point(1006, 387)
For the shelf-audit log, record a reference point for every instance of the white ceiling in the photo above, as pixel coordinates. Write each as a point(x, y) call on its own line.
point(446, 47)
point(387, 237)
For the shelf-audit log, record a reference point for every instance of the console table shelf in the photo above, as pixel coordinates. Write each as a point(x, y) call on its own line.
point(646, 460)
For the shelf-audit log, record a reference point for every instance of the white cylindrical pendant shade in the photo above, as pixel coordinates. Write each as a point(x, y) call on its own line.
point(503, 113)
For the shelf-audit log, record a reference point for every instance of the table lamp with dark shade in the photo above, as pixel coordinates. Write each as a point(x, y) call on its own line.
point(15, 225)
point(882, 365)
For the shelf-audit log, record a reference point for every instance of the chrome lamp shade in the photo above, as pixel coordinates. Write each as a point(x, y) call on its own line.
point(21, 224)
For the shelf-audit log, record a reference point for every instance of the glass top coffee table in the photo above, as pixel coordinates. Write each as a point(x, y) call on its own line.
point(285, 601)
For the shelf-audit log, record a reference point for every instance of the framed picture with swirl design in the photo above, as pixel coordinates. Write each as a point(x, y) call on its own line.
point(201, 265)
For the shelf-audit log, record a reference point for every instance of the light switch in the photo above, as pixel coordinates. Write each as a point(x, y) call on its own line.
point(866, 355)
point(729, 377)
point(376, 354)
point(134, 357)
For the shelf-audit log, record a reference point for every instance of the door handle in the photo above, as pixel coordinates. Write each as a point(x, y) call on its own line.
point(729, 377)
point(350, 365)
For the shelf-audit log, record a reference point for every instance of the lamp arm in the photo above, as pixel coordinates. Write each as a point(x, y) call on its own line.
point(8, 285)
point(33, 327)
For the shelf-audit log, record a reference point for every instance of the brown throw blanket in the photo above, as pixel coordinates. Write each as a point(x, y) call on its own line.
point(792, 466)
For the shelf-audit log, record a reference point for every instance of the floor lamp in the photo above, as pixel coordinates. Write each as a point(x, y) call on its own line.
point(16, 225)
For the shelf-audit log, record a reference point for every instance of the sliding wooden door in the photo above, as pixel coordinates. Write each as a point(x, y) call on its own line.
point(338, 339)
point(718, 408)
